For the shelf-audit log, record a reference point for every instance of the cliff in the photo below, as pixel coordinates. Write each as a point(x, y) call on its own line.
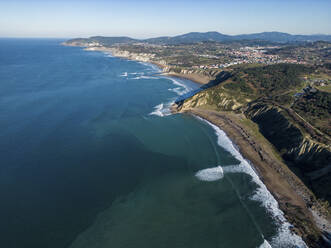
point(196, 75)
point(304, 147)
point(298, 150)
point(309, 158)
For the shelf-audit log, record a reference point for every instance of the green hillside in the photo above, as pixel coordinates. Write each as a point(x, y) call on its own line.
point(291, 114)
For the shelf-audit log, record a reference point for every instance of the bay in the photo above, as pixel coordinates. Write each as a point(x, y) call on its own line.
point(91, 157)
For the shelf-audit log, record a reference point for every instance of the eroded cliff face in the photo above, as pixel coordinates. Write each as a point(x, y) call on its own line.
point(145, 57)
point(206, 99)
point(308, 158)
point(197, 75)
point(209, 74)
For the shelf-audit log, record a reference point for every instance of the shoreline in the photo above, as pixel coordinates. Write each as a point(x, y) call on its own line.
point(290, 193)
point(195, 77)
point(308, 224)
point(192, 77)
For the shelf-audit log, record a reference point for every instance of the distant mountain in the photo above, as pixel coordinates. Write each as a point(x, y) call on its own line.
point(159, 40)
point(112, 40)
point(194, 37)
point(282, 37)
point(105, 41)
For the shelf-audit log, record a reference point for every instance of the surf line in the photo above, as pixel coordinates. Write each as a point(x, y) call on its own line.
point(163, 109)
point(285, 237)
point(258, 229)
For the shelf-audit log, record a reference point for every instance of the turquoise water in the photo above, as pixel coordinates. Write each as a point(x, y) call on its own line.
point(90, 157)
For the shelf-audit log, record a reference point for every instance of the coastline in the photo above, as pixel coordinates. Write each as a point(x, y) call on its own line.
point(193, 77)
point(147, 58)
point(293, 197)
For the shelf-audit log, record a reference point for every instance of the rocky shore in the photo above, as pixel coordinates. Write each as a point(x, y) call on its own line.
point(197, 76)
point(299, 205)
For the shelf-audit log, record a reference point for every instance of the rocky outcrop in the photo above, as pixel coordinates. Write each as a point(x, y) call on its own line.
point(79, 43)
point(211, 75)
point(217, 100)
point(144, 57)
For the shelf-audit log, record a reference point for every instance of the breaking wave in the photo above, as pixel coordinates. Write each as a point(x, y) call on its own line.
point(143, 77)
point(284, 237)
point(265, 244)
point(136, 73)
point(124, 74)
point(150, 66)
point(162, 109)
point(211, 174)
point(182, 89)
point(177, 90)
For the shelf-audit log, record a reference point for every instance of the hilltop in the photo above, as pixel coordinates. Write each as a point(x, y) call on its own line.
point(201, 61)
point(194, 37)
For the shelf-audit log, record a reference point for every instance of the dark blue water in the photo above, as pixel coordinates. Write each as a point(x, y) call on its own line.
point(84, 163)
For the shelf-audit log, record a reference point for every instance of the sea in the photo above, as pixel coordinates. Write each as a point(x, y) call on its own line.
point(91, 157)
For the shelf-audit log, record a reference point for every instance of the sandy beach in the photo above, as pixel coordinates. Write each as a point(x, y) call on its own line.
point(193, 77)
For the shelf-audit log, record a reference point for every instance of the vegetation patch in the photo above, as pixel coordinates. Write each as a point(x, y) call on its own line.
point(316, 109)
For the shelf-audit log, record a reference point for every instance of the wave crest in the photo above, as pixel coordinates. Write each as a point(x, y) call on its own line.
point(210, 174)
point(162, 110)
point(284, 237)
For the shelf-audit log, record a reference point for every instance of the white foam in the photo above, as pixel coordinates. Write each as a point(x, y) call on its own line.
point(284, 237)
point(136, 73)
point(151, 66)
point(265, 244)
point(179, 90)
point(143, 77)
point(210, 174)
point(124, 74)
point(162, 109)
point(136, 78)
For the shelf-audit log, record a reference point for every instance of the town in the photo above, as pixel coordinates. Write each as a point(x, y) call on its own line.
point(215, 55)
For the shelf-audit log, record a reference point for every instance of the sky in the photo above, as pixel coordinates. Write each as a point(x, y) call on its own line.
point(147, 18)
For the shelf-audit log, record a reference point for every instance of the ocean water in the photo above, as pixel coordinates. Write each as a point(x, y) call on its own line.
point(91, 157)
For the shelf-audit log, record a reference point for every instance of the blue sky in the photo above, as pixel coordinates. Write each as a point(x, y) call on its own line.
point(146, 18)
